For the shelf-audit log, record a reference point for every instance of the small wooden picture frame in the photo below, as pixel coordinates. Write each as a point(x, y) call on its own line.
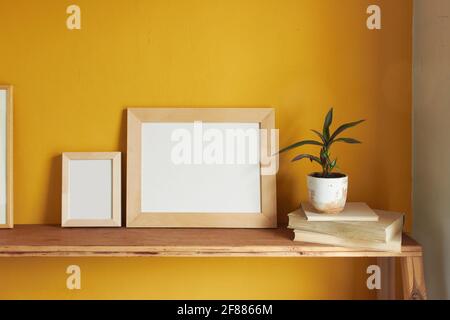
point(6, 156)
point(91, 189)
point(161, 193)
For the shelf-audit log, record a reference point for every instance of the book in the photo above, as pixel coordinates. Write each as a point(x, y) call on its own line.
point(364, 235)
point(353, 211)
point(394, 245)
point(383, 230)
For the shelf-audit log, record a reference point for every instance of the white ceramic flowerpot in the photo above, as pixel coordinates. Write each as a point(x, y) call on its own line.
point(327, 195)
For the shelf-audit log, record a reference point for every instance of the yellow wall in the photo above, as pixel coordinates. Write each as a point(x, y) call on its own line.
point(300, 56)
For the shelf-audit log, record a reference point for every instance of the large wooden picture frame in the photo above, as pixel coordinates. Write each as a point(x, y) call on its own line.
point(91, 189)
point(6, 156)
point(140, 118)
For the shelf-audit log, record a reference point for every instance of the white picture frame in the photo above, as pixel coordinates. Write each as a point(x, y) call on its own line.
point(6, 157)
point(160, 195)
point(91, 189)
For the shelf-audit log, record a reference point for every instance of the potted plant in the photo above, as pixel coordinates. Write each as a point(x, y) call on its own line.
point(327, 189)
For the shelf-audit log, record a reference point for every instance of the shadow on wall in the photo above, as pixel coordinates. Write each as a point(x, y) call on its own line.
point(123, 149)
point(52, 205)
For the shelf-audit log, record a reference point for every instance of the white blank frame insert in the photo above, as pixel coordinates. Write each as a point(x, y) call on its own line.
point(198, 187)
point(199, 168)
point(91, 189)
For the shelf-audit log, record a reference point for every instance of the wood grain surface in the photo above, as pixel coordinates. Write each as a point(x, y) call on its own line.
point(49, 240)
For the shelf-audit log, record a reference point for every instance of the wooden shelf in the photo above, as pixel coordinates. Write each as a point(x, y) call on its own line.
point(46, 240)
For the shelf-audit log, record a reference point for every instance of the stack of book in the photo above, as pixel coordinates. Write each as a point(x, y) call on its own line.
point(357, 226)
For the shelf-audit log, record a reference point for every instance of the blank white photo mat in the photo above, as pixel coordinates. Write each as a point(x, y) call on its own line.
point(90, 189)
point(201, 186)
point(3, 97)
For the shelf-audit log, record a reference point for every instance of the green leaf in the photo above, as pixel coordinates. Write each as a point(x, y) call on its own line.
point(347, 140)
point(327, 124)
point(333, 164)
point(320, 136)
point(343, 128)
point(307, 156)
point(299, 144)
point(323, 157)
